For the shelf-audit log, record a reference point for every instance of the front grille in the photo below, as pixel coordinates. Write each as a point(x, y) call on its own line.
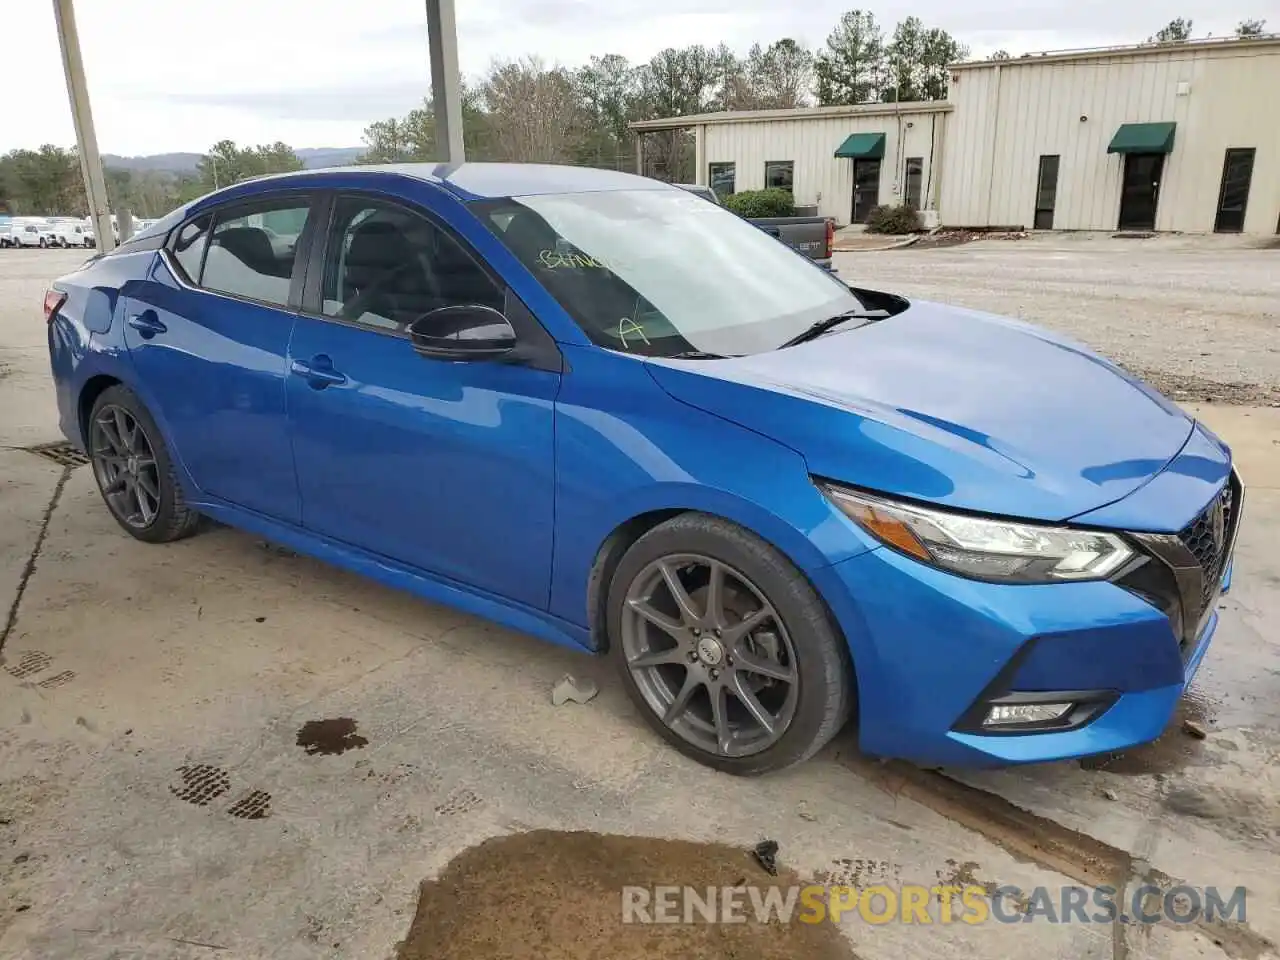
point(1208, 538)
point(1183, 572)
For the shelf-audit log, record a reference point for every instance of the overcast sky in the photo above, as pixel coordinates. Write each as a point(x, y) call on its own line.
point(168, 75)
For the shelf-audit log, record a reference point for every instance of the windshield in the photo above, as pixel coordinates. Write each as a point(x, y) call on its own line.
point(663, 272)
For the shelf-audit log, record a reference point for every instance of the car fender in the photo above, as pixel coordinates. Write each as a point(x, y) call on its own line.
point(629, 449)
point(106, 359)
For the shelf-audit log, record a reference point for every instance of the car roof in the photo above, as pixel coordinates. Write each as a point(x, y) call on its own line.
point(483, 181)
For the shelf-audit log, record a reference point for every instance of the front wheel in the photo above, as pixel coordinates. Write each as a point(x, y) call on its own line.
point(134, 471)
point(726, 648)
point(43, 243)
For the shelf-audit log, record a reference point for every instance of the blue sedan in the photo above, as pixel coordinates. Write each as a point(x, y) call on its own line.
point(597, 409)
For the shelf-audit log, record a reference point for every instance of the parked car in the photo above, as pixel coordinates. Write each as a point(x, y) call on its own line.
point(811, 236)
point(595, 408)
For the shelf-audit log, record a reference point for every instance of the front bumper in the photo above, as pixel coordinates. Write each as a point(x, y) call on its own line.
point(931, 649)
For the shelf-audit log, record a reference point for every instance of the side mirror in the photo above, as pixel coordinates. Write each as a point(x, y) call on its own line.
point(463, 332)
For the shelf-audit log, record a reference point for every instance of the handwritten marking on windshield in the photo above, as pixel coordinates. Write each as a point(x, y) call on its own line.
point(553, 260)
point(628, 326)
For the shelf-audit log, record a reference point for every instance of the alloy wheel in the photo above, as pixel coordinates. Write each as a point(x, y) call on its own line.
point(124, 463)
point(710, 655)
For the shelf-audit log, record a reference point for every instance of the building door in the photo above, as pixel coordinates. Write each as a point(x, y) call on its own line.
point(866, 187)
point(1139, 190)
point(1046, 192)
point(1233, 197)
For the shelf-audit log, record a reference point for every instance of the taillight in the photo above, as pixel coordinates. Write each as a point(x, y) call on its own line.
point(53, 299)
point(831, 237)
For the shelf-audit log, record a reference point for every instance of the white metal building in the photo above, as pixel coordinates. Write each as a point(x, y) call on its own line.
point(889, 152)
point(1169, 137)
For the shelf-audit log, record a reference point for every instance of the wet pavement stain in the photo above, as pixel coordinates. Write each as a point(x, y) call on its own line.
point(330, 737)
point(558, 896)
point(1172, 751)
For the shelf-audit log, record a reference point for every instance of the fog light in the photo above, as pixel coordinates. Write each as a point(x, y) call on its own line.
point(1014, 714)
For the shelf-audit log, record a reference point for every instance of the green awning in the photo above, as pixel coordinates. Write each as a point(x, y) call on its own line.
point(862, 145)
point(1143, 138)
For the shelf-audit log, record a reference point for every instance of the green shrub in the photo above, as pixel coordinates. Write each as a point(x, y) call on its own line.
point(762, 203)
point(888, 219)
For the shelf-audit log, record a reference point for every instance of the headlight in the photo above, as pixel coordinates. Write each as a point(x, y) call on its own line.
point(984, 548)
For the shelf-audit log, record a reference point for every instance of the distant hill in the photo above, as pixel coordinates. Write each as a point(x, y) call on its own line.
point(165, 162)
point(329, 156)
point(186, 162)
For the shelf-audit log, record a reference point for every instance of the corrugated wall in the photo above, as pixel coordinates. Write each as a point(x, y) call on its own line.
point(821, 178)
point(1008, 115)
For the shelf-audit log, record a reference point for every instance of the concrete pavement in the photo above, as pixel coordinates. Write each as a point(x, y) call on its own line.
point(155, 800)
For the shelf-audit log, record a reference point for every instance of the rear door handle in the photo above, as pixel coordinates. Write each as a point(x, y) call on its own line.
point(147, 324)
point(318, 372)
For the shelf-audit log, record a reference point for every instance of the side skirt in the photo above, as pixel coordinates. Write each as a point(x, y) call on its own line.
point(517, 616)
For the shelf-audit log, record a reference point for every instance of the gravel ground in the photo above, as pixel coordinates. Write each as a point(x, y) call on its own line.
point(1199, 318)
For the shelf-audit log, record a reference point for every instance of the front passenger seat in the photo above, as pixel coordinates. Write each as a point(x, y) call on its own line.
point(381, 267)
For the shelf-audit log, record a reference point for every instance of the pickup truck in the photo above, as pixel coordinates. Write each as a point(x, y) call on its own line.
point(811, 236)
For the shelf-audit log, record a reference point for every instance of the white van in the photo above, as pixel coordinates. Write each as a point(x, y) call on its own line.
point(73, 233)
point(25, 233)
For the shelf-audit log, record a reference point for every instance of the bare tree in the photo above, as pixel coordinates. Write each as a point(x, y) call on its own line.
point(534, 112)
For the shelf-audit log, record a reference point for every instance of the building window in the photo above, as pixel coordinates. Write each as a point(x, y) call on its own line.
point(1046, 192)
point(915, 181)
point(778, 174)
point(1233, 196)
point(720, 177)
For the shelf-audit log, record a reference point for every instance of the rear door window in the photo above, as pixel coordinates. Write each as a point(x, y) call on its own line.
point(252, 250)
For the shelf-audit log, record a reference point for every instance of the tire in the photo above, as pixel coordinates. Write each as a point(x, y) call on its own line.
point(806, 644)
point(43, 243)
point(171, 519)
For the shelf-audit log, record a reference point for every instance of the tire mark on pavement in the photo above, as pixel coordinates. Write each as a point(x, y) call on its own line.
point(1035, 839)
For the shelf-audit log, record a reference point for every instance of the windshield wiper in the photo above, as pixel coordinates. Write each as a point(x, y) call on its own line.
point(695, 355)
point(817, 329)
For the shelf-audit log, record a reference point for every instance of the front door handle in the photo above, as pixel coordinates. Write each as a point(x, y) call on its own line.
point(318, 371)
point(147, 324)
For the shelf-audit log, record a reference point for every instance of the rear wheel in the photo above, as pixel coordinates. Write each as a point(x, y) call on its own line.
point(725, 647)
point(134, 471)
point(43, 243)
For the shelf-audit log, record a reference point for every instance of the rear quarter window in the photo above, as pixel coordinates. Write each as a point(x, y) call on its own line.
point(188, 247)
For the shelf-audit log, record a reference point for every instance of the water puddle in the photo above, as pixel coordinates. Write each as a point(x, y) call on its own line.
point(556, 894)
point(330, 737)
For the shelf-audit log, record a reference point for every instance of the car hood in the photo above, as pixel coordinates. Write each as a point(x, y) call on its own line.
point(949, 406)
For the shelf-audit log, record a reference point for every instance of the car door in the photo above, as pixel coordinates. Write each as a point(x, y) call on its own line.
point(209, 336)
point(442, 465)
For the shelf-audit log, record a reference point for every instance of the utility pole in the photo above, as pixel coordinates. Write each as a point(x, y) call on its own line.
point(95, 186)
point(446, 83)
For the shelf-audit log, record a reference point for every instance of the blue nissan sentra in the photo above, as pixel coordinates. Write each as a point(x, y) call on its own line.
point(598, 409)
